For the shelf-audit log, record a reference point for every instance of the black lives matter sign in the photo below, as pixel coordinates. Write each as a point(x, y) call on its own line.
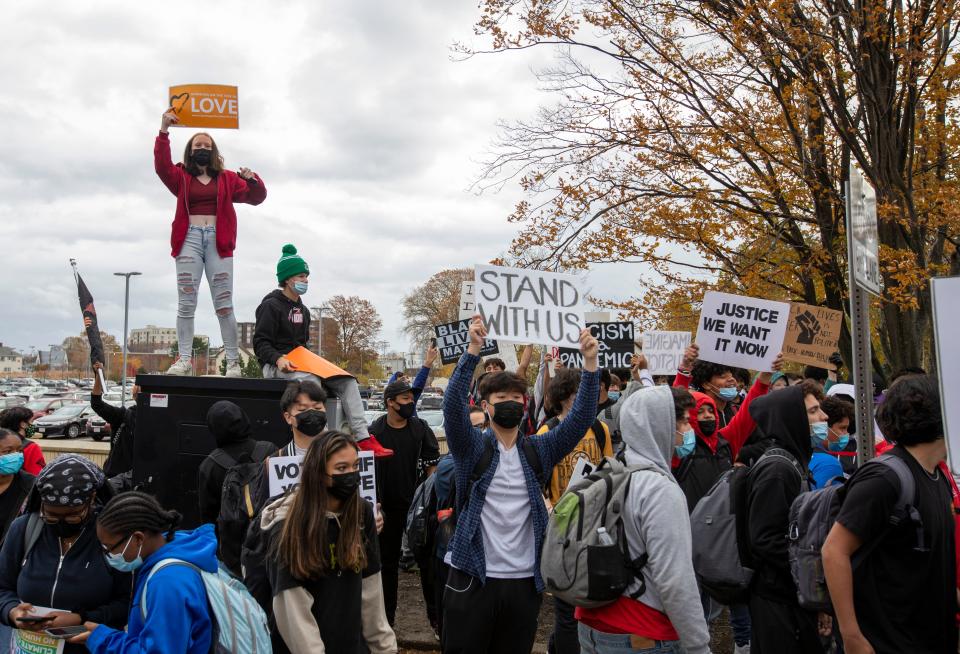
point(453, 338)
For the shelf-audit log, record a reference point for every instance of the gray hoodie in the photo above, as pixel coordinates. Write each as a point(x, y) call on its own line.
point(656, 520)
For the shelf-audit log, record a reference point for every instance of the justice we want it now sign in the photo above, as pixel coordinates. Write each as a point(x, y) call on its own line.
point(530, 306)
point(740, 331)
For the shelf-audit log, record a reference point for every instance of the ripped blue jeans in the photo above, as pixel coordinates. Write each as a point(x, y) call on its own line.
point(199, 254)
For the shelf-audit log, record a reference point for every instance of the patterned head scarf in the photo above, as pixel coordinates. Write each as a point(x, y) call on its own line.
point(70, 480)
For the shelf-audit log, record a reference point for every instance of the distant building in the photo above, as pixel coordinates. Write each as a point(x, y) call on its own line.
point(393, 362)
point(10, 359)
point(245, 334)
point(152, 339)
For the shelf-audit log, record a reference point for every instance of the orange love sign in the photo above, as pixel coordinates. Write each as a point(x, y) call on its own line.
point(205, 105)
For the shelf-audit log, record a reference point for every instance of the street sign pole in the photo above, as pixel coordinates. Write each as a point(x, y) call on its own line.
point(863, 272)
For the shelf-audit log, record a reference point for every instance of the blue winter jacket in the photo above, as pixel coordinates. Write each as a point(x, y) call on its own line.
point(178, 616)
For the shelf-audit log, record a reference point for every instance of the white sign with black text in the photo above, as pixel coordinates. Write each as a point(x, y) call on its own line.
point(530, 306)
point(741, 331)
point(284, 474)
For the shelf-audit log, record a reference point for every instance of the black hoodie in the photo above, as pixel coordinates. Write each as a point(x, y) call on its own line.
point(282, 326)
point(230, 426)
point(781, 419)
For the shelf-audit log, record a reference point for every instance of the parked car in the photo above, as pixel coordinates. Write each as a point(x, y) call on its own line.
point(97, 428)
point(435, 420)
point(430, 403)
point(69, 421)
point(113, 398)
point(7, 402)
point(47, 405)
point(370, 416)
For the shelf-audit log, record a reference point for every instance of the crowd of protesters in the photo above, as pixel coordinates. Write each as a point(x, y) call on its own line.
point(316, 568)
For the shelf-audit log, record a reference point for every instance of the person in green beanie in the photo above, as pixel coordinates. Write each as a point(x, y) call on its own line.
point(283, 325)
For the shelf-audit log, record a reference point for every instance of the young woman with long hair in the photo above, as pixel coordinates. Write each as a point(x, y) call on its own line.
point(323, 561)
point(204, 233)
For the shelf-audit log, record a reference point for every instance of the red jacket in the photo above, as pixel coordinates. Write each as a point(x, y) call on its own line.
point(230, 188)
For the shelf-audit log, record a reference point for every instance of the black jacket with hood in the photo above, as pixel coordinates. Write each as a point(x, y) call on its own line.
point(123, 426)
point(231, 427)
point(282, 326)
point(781, 419)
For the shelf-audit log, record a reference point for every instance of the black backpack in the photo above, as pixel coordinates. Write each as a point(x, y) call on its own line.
point(245, 492)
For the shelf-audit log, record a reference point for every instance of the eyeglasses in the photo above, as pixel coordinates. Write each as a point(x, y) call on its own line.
point(71, 519)
point(107, 549)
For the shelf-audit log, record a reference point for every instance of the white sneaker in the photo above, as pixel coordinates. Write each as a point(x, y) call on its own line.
point(233, 369)
point(742, 649)
point(181, 368)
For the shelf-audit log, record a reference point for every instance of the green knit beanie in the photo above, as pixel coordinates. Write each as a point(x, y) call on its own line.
point(290, 264)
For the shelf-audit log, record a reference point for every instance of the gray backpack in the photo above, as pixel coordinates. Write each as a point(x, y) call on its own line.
point(720, 556)
point(576, 566)
point(812, 515)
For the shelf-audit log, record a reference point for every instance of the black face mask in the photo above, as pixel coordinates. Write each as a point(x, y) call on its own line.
point(406, 410)
point(201, 157)
point(707, 427)
point(311, 422)
point(67, 530)
point(345, 485)
point(508, 414)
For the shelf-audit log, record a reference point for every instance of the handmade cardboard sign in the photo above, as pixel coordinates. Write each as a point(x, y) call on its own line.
point(813, 334)
point(530, 306)
point(468, 302)
point(615, 340)
point(664, 351)
point(453, 338)
point(209, 106)
point(283, 473)
point(741, 331)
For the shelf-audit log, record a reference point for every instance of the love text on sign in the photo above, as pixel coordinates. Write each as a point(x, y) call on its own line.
point(212, 106)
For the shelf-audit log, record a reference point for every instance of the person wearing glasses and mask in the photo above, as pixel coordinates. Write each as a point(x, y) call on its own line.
point(51, 558)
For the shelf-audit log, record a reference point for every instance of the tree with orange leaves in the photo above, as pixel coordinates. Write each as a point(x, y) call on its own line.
point(710, 141)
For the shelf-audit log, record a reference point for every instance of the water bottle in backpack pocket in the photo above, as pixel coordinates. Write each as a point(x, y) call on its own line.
point(585, 559)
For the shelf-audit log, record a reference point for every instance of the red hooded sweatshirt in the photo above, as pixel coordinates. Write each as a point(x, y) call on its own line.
point(230, 188)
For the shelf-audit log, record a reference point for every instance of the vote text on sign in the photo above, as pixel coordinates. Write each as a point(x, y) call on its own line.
point(283, 473)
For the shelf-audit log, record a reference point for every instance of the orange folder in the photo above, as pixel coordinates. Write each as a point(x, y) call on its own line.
point(307, 361)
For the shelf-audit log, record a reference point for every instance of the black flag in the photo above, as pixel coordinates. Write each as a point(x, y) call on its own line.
point(90, 320)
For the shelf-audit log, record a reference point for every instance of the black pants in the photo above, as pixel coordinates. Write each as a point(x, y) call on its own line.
point(782, 628)
point(427, 586)
point(499, 617)
point(391, 539)
point(564, 639)
point(440, 572)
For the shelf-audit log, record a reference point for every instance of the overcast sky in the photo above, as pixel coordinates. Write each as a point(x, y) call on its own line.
point(364, 130)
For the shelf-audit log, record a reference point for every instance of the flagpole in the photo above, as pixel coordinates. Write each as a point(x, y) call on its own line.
point(76, 279)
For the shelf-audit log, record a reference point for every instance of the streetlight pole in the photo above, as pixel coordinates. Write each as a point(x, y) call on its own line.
point(320, 311)
point(126, 316)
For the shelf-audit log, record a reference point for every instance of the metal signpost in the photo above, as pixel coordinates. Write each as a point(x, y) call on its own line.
point(864, 270)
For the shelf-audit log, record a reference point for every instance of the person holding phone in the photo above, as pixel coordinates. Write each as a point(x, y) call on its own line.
point(52, 570)
point(136, 533)
point(204, 234)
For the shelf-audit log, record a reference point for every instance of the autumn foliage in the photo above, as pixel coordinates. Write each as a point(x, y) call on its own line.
point(709, 141)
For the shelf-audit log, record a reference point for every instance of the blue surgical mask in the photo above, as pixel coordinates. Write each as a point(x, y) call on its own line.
point(10, 464)
point(727, 394)
point(841, 443)
point(300, 288)
point(818, 433)
point(614, 395)
point(117, 562)
point(689, 442)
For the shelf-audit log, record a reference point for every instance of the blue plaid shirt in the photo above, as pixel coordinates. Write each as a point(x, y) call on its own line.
point(467, 443)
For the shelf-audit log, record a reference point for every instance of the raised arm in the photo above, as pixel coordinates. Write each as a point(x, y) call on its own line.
point(456, 419)
point(690, 355)
point(168, 173)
